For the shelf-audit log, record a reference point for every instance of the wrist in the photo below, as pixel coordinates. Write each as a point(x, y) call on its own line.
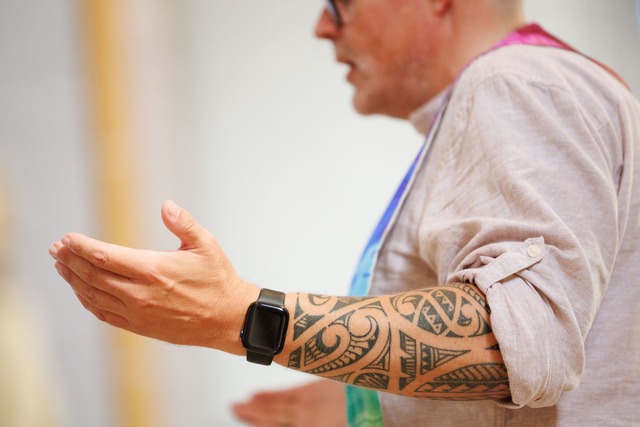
point(230, 320)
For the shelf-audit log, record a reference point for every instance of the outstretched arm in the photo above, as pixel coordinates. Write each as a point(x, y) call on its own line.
point(435, 343)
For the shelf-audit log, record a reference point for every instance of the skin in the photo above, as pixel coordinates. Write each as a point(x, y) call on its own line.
point(435, 344)
point(318, 404)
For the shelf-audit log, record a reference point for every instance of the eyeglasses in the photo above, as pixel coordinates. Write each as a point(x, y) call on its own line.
point(334, 12)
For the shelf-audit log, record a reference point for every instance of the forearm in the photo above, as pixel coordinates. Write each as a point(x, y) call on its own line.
point(435, 343)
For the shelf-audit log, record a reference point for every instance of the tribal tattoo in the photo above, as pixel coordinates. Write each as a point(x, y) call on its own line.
point(435, 343)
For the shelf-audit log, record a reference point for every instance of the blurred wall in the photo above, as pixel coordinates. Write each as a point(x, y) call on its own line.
point(43, 156)
point(242, 117)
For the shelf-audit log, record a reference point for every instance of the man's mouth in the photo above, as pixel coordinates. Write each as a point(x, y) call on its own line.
point(351, 68)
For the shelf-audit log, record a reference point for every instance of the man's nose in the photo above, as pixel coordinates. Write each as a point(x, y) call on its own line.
point(326, 28)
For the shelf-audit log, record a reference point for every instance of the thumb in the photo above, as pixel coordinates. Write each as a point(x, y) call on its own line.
point(183, 225)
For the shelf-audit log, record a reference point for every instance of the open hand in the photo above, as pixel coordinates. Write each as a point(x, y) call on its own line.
point(317, 404)
point(188, 296)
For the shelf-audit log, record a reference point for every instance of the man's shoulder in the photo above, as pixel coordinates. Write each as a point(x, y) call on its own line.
point(540, 64)
point(547, 69)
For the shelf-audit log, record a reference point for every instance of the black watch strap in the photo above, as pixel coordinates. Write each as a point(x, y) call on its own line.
point(261, 359)
point(272, 297)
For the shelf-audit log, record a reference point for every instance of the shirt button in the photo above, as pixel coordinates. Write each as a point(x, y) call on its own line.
point(534, 251)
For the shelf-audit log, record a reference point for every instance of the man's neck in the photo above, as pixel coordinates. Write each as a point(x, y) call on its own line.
point(474, 28)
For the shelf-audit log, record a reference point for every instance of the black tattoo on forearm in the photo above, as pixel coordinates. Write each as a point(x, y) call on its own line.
point(436, 343)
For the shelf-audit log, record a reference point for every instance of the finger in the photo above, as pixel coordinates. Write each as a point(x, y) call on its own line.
point(256, 415)
point(54, 249)
point(243, 412)
point(96, 297)
point(80, 273)
point(184, 226)
point(269, 412)
point(273, 398)
point(105, 316)
point(117, 259)
point(89, 273)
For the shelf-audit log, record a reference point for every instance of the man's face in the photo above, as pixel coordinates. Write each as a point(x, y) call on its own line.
point(392, 50)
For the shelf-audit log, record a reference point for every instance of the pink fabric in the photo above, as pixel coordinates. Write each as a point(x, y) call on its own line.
point(535, 35)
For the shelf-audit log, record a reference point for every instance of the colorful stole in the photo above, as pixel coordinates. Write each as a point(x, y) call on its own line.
point(363, 405)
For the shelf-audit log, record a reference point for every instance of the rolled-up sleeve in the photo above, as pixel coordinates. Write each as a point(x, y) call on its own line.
point(524, 206)
point(532, 339)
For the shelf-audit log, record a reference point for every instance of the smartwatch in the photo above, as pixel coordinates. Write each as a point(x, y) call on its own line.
point(265, 327)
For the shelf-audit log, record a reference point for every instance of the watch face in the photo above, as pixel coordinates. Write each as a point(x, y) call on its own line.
point(264, 328)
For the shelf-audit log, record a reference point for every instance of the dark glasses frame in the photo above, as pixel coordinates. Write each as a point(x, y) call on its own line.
point(334, 12)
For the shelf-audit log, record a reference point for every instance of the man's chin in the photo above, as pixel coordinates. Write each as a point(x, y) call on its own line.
point(364, 104)
point(371, 105)
point(363, 111)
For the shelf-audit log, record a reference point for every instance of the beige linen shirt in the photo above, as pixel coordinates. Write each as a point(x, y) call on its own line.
point(531, 190)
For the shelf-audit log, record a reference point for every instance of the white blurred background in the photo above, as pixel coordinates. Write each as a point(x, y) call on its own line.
point(238, 114)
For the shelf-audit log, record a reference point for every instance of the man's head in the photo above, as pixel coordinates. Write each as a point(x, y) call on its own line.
point(401, 53)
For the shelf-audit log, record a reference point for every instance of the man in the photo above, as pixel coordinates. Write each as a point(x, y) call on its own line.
point(499, 278)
